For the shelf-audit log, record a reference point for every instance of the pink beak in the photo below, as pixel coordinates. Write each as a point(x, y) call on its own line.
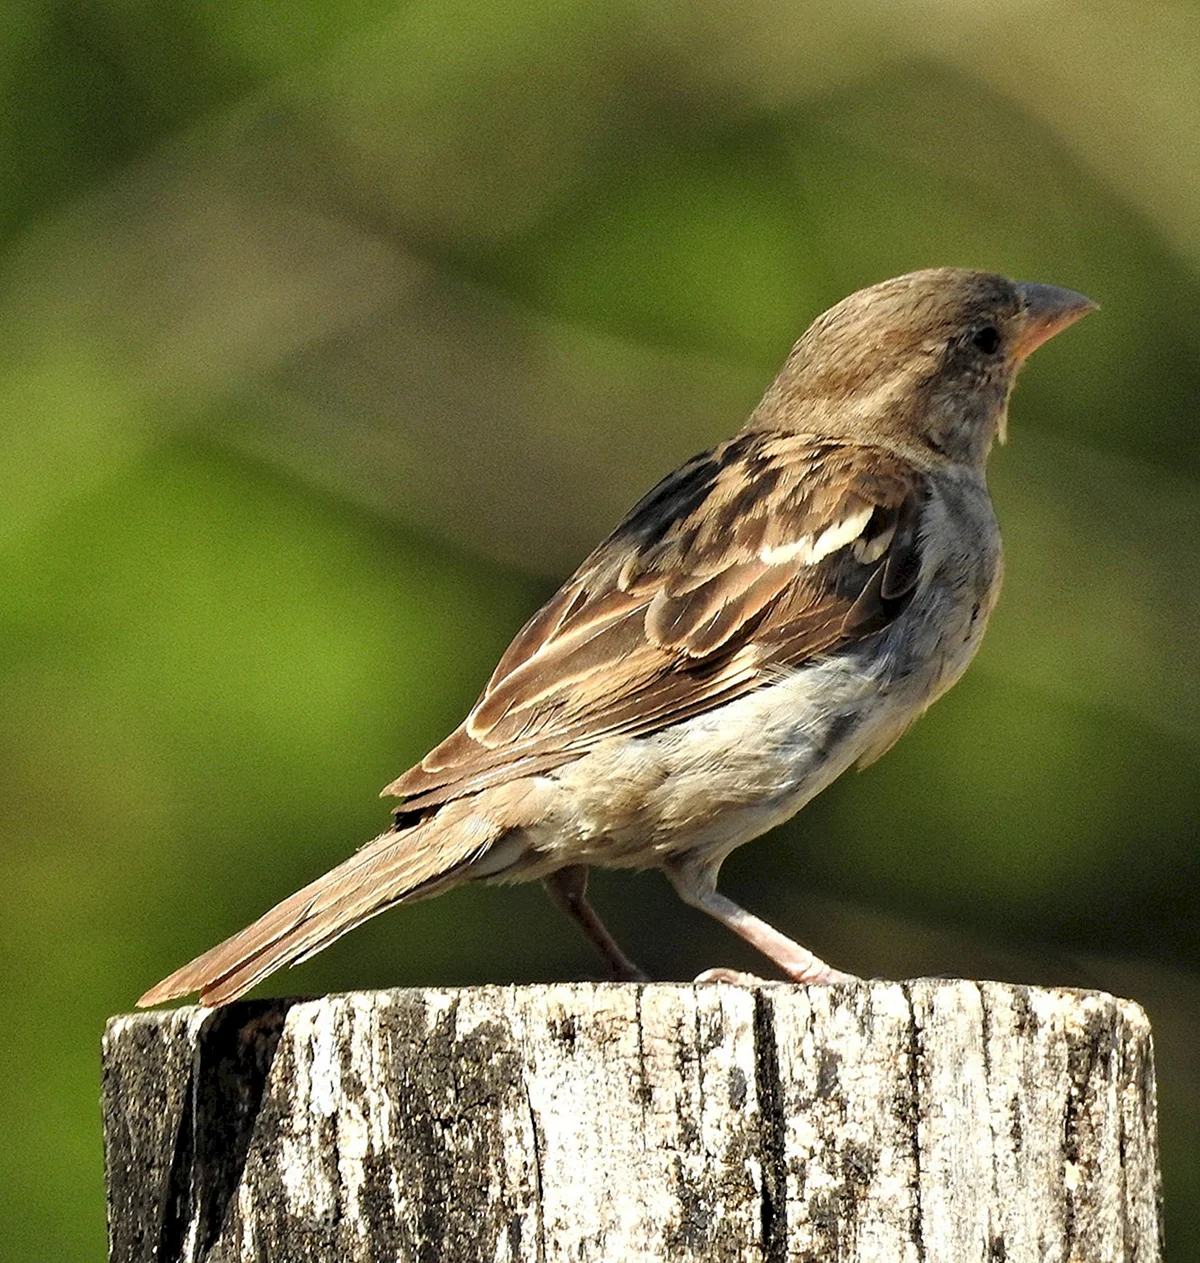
point(1047, 310)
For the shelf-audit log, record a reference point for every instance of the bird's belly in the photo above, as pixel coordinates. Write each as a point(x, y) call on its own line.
point(717, 780)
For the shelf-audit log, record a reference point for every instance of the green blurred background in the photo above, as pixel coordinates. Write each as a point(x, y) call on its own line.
point(332, 335)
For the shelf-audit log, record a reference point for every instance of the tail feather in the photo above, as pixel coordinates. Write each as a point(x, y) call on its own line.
point(394, 866)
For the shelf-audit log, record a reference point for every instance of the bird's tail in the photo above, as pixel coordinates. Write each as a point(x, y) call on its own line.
point(399, 864)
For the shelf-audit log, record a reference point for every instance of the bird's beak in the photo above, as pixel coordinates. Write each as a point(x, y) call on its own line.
point(1047, 310)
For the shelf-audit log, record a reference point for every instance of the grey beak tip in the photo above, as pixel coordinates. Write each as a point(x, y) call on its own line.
point(1046, 299)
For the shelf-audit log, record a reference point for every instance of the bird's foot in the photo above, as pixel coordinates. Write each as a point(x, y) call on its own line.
point(819, 974)
point(738, 977)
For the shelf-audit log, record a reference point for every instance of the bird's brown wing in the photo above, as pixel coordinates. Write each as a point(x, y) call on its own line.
point(758, 555)
point(751, 559)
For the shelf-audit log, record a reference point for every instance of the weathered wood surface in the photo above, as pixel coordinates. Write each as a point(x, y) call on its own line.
point(923, 1122)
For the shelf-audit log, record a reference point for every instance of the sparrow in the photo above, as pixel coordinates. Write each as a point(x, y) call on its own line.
point(779, 608)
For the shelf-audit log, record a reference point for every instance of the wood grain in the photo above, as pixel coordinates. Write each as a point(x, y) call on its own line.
point(931, 1122)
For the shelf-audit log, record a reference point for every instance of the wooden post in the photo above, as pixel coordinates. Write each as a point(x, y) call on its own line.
point(922, 1122)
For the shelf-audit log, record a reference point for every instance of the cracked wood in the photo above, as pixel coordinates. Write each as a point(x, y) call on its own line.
point(924, 1122)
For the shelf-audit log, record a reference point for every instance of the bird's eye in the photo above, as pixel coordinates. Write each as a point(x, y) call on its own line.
point(987, 339)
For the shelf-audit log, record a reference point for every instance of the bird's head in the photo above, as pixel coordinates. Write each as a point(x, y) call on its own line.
point(923, 362)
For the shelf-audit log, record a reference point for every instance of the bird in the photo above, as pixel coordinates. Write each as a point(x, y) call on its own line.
point(778, 609)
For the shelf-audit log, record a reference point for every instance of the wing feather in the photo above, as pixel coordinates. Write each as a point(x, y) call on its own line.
point(762, 554)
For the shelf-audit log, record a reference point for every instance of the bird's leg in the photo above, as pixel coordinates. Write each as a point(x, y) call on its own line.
point(567, 887)
point(696, 885)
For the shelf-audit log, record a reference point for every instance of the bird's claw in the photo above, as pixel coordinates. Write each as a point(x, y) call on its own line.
point(738, 977)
